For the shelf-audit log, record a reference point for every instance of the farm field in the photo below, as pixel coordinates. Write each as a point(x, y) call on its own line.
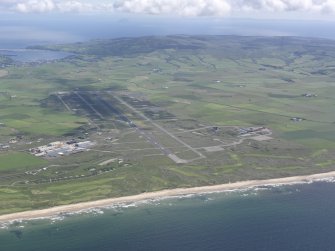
point(164, 112)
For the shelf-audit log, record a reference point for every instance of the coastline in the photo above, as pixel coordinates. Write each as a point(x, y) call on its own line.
point(72, 208)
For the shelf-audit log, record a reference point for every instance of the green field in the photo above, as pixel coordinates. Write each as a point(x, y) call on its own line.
point(19, 162)
point(165, 112)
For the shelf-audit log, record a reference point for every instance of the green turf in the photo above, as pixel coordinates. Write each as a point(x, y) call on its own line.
point(19, 162)
point(184, 83)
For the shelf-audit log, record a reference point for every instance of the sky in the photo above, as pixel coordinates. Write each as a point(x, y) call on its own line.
point(26, 22)
point(302, 9)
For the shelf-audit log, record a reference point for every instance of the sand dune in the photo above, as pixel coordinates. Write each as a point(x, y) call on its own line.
point(54, 211)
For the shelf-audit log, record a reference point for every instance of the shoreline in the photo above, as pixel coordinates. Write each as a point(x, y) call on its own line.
point(73, 208)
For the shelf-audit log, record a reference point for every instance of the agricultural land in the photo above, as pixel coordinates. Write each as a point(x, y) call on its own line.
point(132, 115)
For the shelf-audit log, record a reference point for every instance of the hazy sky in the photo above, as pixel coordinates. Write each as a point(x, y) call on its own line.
point(25, 22)
point(300, 9)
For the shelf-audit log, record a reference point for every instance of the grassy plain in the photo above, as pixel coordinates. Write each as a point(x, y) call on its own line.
point(11, 162)
point(200, 89)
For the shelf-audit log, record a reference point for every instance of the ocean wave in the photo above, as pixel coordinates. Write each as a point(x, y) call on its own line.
point(171, 200)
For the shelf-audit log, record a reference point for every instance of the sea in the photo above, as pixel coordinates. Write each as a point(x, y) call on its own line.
point(291, 217)
point(31, 56)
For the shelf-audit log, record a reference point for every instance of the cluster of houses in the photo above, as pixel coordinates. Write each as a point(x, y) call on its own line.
point(10, 141)
point(61, 148)
point(297, 119)
point(249, 131)
point(4, 146)
point(309, 95)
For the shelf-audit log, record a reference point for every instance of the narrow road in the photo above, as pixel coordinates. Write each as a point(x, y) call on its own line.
point(201, 156)
point(63, 102)
point(90, 106)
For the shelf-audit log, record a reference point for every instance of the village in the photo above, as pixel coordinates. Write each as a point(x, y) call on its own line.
point(61, 148)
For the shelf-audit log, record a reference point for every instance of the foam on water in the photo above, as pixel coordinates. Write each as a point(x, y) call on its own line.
point(262, 218)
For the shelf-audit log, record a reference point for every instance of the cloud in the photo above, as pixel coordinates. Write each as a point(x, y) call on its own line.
point(222, 7)
point(75, 6)
point(285, 5)
point(179, 7)
point(36, 6)
point(172, 7)
point(41, 6)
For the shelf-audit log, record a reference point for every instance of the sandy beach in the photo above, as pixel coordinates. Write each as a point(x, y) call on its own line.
point(54, 211)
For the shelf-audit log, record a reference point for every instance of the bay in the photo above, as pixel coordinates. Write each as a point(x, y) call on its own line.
point(295, 217)
point(29, 56)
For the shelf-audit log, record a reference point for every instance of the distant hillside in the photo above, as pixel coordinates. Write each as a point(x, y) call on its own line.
point(234, 47)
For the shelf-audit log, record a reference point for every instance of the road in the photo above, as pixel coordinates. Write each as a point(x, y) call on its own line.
point(170, 155)
point(90, 106)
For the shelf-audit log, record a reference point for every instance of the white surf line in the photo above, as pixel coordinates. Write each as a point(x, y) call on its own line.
point(159, 127)
point(162, 194)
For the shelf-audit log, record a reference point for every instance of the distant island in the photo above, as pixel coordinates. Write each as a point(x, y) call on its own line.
point(133, 116)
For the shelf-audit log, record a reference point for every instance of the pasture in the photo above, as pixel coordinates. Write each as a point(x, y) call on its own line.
point(166, 112)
